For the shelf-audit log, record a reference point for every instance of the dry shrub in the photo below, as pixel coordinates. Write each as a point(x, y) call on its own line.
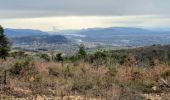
point(130, 60)
point(43, 66)
point(154, 74)
point(124, 74)
point(81, 78)
point(7, 63)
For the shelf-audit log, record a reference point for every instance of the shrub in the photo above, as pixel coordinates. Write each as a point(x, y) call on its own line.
point(46, 57)
point(98, 58)
point(74, 58)
point(130, 95)
point(1, 72)
point(59, 57)
point(18, 54)
point(82, 82)
point(19, 66)
point(81, 52)
point(166, 74)
point(16, 68)
point(67, 72)
point(112, 71)
point(81, 85)
point(53, 72)
point(136, 75)
point(62, 71)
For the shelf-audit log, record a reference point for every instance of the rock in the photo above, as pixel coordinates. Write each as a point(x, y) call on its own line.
point(154, 88)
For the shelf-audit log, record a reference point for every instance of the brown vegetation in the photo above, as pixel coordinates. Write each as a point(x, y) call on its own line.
point(113, 79)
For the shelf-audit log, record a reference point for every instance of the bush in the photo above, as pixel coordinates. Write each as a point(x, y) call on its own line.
point(63, 72)
point(59, 57)
point(83, 82)
point(46, 57)
point(98, 58)
point(2, 70)
point(130, 95)
point(139, 86)
point(67, 72)
point(166, 74)
point(81, 53)
point(27, 71)
point(18, 67)
point(112, 71)
point(18, 54)
point(53, 72)
point(81, 85)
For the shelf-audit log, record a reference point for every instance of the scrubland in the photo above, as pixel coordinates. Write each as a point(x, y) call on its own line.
point(136, 74)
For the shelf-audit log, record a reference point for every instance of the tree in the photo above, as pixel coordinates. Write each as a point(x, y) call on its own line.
point(4, 44)
point(99, 58)
point(81, 52)
point(59, 57)
point(45, 57)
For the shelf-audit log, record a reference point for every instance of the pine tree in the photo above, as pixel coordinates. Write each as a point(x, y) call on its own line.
point(4, 44)
point(81, 52)
point(59, 57)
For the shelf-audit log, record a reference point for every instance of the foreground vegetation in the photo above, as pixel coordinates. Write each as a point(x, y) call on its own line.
point(135, 74)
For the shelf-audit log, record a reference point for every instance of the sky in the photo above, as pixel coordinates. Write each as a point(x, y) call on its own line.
point(80, 14)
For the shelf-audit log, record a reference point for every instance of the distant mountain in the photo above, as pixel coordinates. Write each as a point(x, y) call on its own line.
point(29, 36)
point(42, 39)
point(109, 32)
point(122, 36)
point(112, 31)
point(115, 36)
point(23, 32)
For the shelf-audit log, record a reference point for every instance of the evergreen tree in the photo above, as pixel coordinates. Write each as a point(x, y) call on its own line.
point(59, 57)
point(81, 52)
point(4, 44)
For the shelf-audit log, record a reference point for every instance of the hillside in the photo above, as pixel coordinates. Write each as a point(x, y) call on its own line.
point(134, 74)
point(41, 39)
point(120, 36)
point(36, 40)
point(146, 56)
point(11, 33)
point(114, 37)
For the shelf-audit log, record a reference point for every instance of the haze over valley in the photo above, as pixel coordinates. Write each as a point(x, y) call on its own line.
point(68, 41)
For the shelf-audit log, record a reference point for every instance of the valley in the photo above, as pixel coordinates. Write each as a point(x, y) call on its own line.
point(68, 41)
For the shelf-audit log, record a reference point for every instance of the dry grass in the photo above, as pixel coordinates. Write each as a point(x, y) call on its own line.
point(82, 79)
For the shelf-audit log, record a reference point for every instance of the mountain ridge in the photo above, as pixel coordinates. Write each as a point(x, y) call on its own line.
point(11, 33)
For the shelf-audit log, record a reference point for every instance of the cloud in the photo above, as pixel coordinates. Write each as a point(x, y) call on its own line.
point(80, 22)
point(77, 14)
point(41, 8)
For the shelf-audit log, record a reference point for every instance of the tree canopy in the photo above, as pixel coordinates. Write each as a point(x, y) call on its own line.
point(81, 52)
point(4, 44)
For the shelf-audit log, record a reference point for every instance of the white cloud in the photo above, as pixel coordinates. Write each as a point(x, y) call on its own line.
point(79, 22)
point(77, 14)
point(38, 8)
